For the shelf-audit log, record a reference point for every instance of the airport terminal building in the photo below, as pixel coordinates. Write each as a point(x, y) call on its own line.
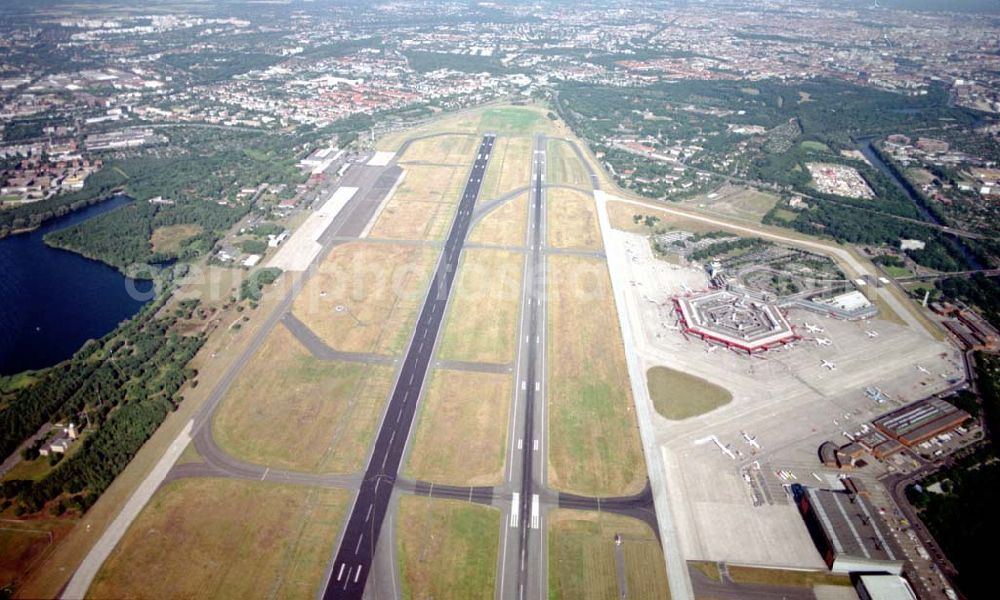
point(737, 321)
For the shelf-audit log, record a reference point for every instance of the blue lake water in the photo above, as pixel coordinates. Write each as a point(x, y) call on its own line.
point(52, 301)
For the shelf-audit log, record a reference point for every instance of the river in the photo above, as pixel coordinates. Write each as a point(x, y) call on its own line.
point(52, 301)
point(865, 145)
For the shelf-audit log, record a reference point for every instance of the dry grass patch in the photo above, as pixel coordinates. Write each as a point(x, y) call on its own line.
point(210, 538)
point(380, 286)
point(461, 433)
point(594, 444)
point(293, 411)
point(168, 239)
point(740, 202)
point(807, 579)
point(582, 563)
point(622, 217)
point(563, 166)
point(677, 395)
point(505, 226)
point(24, 545)
point(571, 220)
point(423, 206)
point(481, 324)
point(443, 149)
point(447, 549)
point(509, 168)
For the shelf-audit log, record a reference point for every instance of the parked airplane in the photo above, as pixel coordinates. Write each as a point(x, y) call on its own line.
point(750, 439)
point(872, 333)
point(814, 328)
point(923, 370)
point(824, 341)
point(687, 288)
point(829, 365)
point(725, 449)
point(711, 349)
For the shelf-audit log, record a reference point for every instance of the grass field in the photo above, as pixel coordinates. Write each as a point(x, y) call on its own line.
point(501, 119)
point(505, 225)
point(445, 149)
point(582, 563)
point(509, 168)
point(461, 432)
point(707, 568)
point(295, 411)
point(168, 239)
point(201, 538)
point(482, 316)
point(815, 146)
point(424, 204)
point(380, 286)
point(563, 166)
point(786, 578)
point(897, 272)
point(571, 220)
point(25, 544)
point(621, 216)
point(594, 438)
point(735, 201)
point(678, 395)
point(447, 549)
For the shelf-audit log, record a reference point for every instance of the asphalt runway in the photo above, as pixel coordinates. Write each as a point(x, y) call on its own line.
point(357, 546)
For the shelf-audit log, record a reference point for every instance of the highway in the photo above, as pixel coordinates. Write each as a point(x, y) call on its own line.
point(354, 557)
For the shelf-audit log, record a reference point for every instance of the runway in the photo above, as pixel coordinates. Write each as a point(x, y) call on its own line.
point(354, 557)
point(522, 560)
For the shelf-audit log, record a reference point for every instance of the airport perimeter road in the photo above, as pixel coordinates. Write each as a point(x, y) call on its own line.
point(353, 560)
point(522, 559)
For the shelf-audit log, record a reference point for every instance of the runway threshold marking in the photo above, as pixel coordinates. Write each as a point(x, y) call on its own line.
point(515, 509)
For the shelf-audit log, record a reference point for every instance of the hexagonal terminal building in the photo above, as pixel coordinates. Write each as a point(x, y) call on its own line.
point(738, 321)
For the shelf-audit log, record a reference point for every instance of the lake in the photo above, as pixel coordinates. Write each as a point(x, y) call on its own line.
point(52, 301)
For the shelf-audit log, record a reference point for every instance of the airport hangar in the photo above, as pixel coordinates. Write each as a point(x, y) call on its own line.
point(738, 321)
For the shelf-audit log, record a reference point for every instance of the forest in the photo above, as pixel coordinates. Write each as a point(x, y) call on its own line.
point(117, 390)
point(963, 517)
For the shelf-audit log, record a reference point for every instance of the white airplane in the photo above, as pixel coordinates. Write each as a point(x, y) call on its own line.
point(829, 365)
point(711, 349)
point(814, 328)
point(824, 341)
point(872, 333)
point(750, 439)
point(687, 289)
point(923, 370)
point(725, 449)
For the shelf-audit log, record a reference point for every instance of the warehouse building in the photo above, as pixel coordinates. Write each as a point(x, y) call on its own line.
point(847, 530)
point(921, 421)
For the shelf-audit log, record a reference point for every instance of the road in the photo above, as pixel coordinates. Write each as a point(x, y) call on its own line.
point(353, 559)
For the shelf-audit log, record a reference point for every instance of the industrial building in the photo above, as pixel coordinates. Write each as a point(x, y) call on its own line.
point(884, 587)
point(738, 321)
point(847, 530)
point(921, 421)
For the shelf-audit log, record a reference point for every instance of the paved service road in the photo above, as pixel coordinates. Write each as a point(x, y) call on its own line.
point(353, 560)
